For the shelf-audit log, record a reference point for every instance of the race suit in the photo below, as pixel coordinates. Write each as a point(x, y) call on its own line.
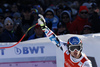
point(69, 61)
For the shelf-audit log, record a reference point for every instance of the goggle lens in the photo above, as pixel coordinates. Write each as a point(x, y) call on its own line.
point(72, 48)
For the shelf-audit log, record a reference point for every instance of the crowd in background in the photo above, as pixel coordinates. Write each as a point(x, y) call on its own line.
point(62, 17)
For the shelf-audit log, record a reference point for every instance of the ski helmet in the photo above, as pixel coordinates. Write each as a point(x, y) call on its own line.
point(74, 43)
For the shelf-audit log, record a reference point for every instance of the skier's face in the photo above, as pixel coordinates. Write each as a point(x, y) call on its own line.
point(75, 53)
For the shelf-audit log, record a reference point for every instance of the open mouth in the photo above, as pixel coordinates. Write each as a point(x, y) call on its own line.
point(75, 54)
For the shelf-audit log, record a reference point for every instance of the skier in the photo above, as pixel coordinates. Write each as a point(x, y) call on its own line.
point(73, 55)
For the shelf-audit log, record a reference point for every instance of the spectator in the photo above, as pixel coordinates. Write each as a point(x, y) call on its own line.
point(61, 29)
point(17, 18)
point(8, 35)
point(68, 9)
point(81, 20)
point(59, 9)
point(38, 33)
point(94, 18)
point(74, 8)
point(90, 10)
point(19, 32)
point(40, 9)
point(14, 9)
point(1, 28)
point(87, 29)
point(89, 6)
point(2, 18)
point(35, 15)
point(1, 10)
point(27, 18)
point(75, 5)
point(51, 19)
point(7, 13)
point(65, 19)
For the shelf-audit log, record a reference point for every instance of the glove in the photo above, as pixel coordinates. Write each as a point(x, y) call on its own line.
point(42, 22)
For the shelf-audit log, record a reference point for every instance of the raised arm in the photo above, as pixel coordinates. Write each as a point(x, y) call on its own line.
point(54, 39)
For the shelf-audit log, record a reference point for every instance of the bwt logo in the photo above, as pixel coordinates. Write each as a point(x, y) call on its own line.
point(31, 50)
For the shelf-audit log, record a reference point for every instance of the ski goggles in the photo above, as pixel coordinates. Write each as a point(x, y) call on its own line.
point(73, 47)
